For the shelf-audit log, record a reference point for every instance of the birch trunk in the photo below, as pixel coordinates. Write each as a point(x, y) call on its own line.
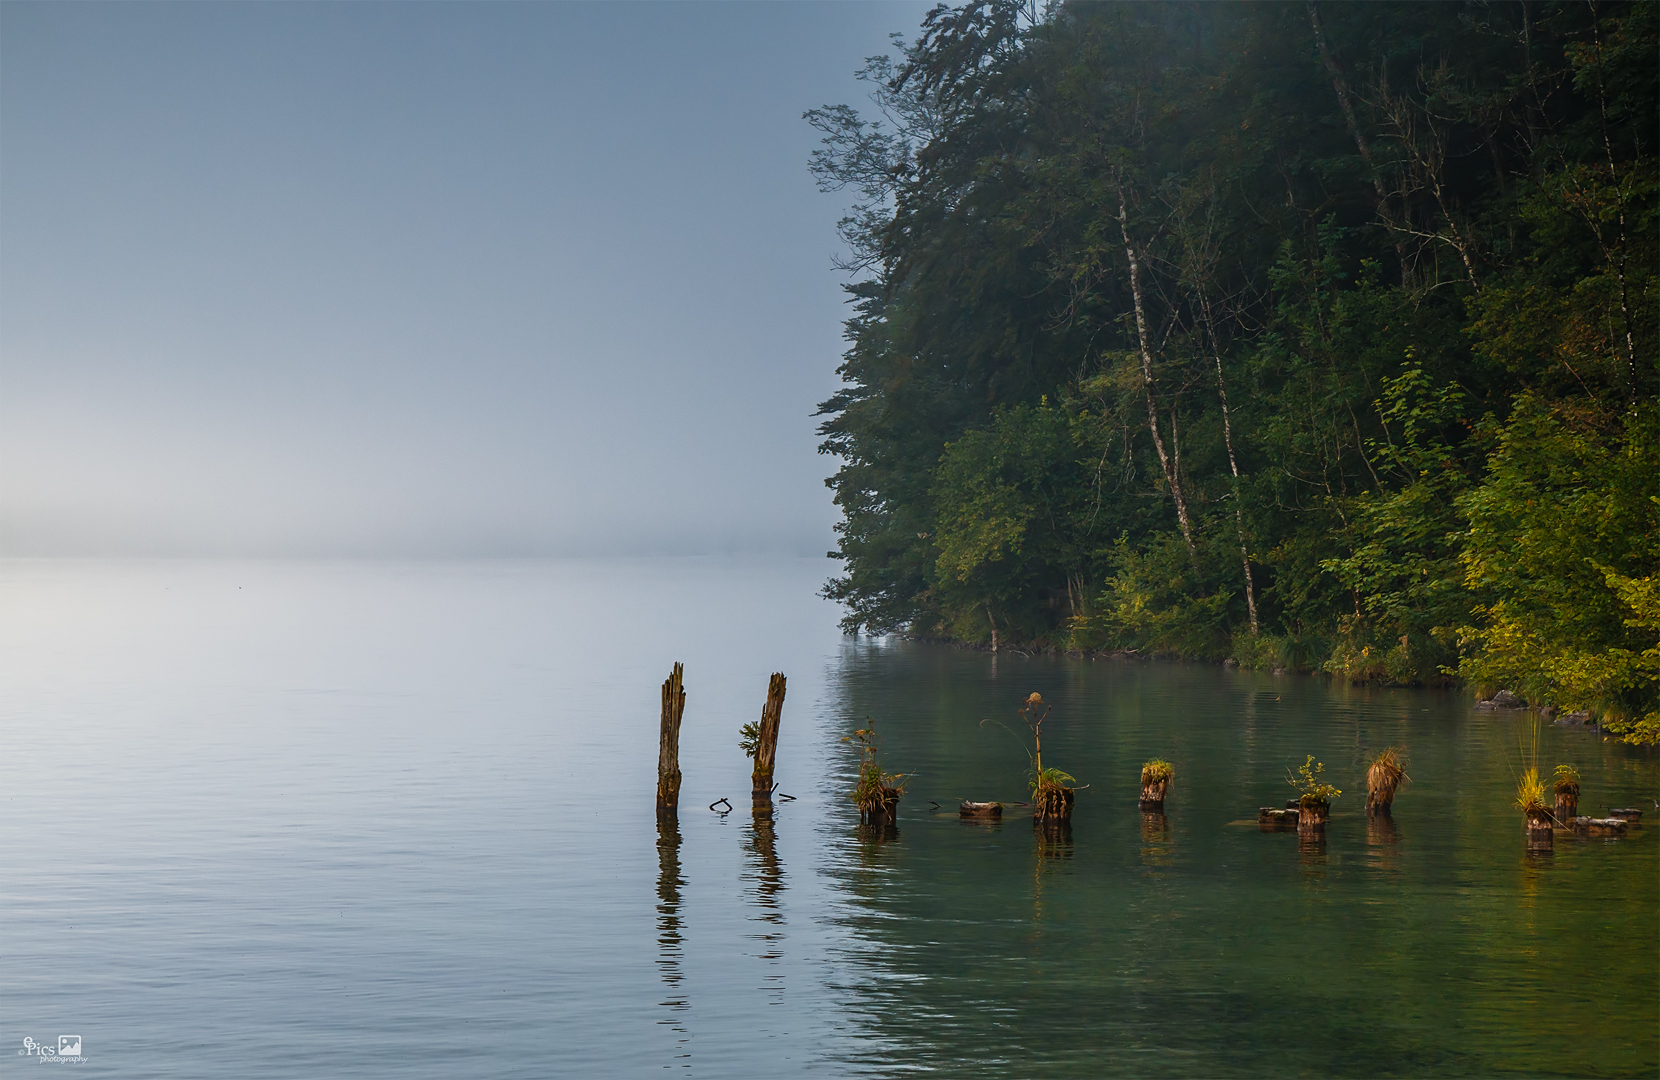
point(1233, 463)
point(1170, 473)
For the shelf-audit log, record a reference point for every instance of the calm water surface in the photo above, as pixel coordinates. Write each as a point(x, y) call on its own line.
point(368, 819)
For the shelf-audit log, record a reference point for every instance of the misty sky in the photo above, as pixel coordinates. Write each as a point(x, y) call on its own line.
point(419, 279)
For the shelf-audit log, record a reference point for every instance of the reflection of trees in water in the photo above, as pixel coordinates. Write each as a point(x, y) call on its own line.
point(670, 937)
point(936, 965)
point(764, 875)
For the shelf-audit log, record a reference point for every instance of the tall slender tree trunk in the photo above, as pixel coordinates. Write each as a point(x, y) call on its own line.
point(1233, 463)
point(1345, 100)
point(1171, 473)
point(1619, 194)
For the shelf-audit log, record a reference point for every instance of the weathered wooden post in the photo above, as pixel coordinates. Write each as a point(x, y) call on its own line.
point(668, 747)
point(766, 745)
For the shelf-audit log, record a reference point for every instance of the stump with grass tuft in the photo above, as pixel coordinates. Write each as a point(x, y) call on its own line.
point(1314, 802)
point(1530, 799)
point(1385, 774)
point(1565, 786)
point(1155, 783)
point(876, 793)
point(1051, 798)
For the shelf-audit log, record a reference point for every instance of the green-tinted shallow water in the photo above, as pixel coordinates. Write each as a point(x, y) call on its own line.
point(1432, 944)
point(269, 820)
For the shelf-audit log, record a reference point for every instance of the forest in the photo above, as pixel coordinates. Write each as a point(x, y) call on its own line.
point(1315, 336)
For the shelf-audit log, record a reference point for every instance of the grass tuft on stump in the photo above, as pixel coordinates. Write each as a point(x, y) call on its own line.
point(1155, 780)
point(1385, 774)
point(1530, 793)
point(1565, 780)
point(875, 793)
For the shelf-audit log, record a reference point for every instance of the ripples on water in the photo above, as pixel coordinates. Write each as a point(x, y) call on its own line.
point(268, 819)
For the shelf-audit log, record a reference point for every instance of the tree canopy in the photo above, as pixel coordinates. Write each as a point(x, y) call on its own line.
point(1317, 335)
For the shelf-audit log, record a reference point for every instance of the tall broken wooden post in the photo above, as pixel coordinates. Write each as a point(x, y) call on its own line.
point(668, 747)
point(766, 744)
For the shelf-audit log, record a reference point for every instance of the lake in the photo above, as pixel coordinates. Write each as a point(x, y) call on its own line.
point(278, 819)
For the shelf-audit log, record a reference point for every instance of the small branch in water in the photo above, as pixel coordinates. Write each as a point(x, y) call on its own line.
point(717, 802)
point(786, 798)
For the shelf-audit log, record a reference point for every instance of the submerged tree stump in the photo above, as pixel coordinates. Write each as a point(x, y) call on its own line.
point(766, 744)
point(1630, 813)
point(980, 809)
point(882, 809)
point(1567, 805)
point(1052, 802)
point(1312, 817)
point(1609, 826)
point(668, 747)
point(1540, 835)
point(1156, 778)
point(1384, 776)
point(1273, 819)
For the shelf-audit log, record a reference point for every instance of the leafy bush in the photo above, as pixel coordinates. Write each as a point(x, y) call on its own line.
point(1309, 782)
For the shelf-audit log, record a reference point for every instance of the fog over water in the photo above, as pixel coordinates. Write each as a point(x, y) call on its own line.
point(419, 279)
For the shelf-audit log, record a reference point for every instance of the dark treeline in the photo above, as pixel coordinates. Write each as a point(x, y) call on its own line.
point(1314, 335)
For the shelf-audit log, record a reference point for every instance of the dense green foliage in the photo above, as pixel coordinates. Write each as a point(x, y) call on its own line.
point(1321, 336)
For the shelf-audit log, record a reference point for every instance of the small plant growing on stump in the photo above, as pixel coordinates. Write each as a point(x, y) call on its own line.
point(876, 793)
point(1565, 786)
point(1309, 781)
point(1385, 773)
point(1314, 800)
point(1155, 781)
point(1051, 798)
point(1530, 799)
point(1531, 788)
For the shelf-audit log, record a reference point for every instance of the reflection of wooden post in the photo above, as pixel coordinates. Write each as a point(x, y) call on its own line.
point(668, 747)
point(766, 743)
